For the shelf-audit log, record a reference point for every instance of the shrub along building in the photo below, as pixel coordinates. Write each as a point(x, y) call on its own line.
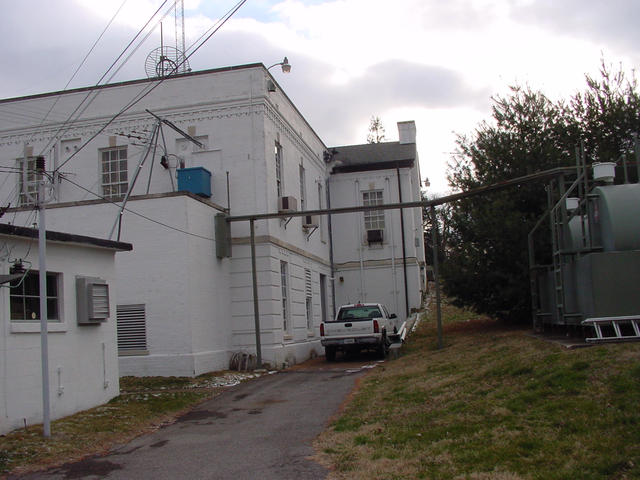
point(195, 145)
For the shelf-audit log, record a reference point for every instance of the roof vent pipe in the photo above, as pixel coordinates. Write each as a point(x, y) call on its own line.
point(604, 172)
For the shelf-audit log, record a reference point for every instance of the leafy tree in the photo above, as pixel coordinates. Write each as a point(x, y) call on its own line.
point(376, 131)
point(486, 263)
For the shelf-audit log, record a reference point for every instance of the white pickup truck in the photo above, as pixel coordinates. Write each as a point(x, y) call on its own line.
point(356, 327)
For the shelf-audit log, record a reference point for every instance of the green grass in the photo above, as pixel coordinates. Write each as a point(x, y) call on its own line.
point(143, 404)
point(495, 403)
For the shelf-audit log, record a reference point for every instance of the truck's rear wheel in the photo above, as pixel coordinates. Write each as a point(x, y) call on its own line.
point(330, 353)
point(383, 349)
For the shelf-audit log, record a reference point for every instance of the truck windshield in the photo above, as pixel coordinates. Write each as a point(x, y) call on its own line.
point(358, 313)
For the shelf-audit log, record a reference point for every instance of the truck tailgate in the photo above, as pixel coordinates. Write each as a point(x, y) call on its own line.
point(348, 329)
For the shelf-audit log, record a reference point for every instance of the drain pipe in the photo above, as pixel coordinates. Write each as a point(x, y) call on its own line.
point(404, 249)
point(393, 258)
point(332, 267)
point(359, 242)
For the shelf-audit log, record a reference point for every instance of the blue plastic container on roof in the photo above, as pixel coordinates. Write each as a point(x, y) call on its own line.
point(195, 180)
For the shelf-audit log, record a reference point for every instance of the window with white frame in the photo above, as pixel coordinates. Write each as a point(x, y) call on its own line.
point(303, 188)
point(284, 282)
point(27, 181)
point(278, 158)
point(114, 172)
point(25, 297)
point(308, 299)
point(373, 219)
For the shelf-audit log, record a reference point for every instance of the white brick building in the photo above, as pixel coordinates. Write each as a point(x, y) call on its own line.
point(182, 310)
point(83, 361)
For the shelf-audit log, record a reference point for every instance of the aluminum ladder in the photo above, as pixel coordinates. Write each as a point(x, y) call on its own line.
point(630, 335)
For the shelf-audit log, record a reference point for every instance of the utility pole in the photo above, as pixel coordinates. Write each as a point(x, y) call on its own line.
point(436, 273)
point(42, 267)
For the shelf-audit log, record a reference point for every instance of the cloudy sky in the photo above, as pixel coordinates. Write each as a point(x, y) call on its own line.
point(433, 61)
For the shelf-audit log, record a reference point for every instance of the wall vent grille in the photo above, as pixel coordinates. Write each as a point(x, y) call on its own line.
point(132, 329)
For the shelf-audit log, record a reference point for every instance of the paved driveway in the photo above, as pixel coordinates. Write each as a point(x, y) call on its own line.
point(261, 429)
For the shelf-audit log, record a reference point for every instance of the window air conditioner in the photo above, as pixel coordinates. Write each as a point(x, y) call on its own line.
point(310, 221)
point(374, 236)
point(92, 300)
point(287, 204)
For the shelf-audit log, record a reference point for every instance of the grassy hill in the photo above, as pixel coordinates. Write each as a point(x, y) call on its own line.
point(495, 403)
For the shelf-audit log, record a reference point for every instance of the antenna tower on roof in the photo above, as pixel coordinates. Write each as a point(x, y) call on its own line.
point(165, 60)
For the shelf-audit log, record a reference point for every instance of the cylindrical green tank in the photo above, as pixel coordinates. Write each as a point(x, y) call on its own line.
point(618, 217)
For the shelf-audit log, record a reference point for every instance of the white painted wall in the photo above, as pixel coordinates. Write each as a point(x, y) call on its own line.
point(78, 355)
point(375, 273)
point(199, 308)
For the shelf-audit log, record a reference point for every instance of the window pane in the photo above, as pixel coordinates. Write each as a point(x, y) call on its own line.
point(52, 309)
point(32, 306)
point(31, 284)
point(52, 285)
point(17, 308)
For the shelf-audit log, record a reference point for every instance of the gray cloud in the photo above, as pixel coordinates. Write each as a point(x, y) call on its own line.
point(40, 66)
point(614, 21)
point(392, 84)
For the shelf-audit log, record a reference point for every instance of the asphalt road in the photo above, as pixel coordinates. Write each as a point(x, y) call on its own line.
point(261, 429)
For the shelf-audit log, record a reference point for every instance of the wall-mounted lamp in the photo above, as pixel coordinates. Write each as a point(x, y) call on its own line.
point(286, 66)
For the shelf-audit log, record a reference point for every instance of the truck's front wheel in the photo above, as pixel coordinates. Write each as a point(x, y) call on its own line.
point(330, 353)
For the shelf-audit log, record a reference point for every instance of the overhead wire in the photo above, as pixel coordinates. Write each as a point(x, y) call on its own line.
point(66, 125)
point(153, 85)
point(82, 63)
point(158, 222)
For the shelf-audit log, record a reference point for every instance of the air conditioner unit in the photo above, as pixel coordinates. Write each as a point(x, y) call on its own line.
point(374, 236)
point(92, 300)
point(310, 221)
point(287, 204)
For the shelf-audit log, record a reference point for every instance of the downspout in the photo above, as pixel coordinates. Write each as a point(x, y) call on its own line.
point(359, 243)
point(404, 250)
point(393, 258)
point(332, 277)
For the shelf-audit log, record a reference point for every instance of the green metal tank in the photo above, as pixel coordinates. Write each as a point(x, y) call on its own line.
point(618, 217)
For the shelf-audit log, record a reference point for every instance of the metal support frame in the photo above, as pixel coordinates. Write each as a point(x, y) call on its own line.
point(256, 307)
point(335, 211)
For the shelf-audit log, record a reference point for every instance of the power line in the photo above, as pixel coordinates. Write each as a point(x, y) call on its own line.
point(136, 213)
point(152, 86)
point(82, 63)
point(93, 93)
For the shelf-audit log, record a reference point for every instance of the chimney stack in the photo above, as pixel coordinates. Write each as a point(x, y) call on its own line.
point(407, 131)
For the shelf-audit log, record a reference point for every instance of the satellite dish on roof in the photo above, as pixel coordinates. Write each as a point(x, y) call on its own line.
point(165, 61)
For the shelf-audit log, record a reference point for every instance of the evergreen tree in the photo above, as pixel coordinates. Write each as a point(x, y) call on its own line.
point(376, 131)
point(486, 263)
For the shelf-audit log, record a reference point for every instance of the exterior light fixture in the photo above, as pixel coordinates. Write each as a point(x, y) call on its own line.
point(286, 66)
